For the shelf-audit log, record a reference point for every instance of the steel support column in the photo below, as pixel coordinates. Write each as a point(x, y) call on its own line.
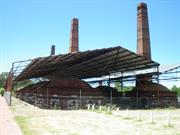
point(12, 87)
point(158, 82)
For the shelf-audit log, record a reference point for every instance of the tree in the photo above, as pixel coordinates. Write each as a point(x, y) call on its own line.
point(125, 88)
point(3, 78)
point(117, 86)
point(1, 91)
point(176, 89)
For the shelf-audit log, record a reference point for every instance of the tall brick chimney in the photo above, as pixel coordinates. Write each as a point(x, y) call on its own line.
point(52, 50)
point(143, 36)
point(74, 37)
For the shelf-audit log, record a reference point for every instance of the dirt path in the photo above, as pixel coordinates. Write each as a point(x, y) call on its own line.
point(7, 123)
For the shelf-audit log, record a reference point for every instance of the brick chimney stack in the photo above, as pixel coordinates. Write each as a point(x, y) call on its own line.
point(143, 41)
point(143, 36)
point(74, 38)
point(52, 50)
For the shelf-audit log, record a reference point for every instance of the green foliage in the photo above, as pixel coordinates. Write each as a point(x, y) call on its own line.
point(176, 89)
point(3, 77)
point(1, 91)
point(118, 86)
point(125, 88)
point(23, 122)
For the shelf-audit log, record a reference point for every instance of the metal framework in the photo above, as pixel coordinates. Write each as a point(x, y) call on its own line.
point(166, 73)
point(169, 73)
point(18, 66)
point(109, 65)
point(88, 64)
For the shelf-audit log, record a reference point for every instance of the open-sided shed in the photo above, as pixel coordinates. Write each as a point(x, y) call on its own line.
point(87, 64)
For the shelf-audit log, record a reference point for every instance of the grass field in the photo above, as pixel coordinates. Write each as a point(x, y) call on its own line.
point(35, 121)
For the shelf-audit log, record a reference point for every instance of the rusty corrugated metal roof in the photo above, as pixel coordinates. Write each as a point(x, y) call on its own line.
point(85, 64)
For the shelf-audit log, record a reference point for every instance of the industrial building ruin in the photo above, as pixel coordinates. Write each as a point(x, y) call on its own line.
point(64, 86)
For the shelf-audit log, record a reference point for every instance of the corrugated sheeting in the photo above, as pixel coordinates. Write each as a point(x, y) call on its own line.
point(86, 64)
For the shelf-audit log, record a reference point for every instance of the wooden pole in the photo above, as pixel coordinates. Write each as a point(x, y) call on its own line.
point(151, 117)
point(89, 106)
point(117, 111)
point(108, 109)
point(168, 119)
point(139, 118)
point(93, 107)
point(100, 108)
point(127, 113)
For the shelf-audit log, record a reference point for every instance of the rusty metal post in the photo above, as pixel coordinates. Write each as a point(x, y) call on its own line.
point(158, 74)
point(110, 91)
point(158, 82)
point(12, 85)
point(47, 97)
point(121, 81)
point(80, 94)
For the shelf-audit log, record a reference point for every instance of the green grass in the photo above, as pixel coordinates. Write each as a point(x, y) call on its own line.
point(108, 113)
point(168, 126)
point(127, 118)
point(23, 122)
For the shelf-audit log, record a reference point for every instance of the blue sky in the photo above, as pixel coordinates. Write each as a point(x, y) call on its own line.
point(29, 27)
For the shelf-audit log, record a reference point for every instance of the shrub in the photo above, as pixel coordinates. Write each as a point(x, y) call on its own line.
point(1, 91)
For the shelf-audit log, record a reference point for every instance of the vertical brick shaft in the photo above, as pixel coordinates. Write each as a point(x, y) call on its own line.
point(74, 37)
point(9, 81)
point(143, 42)
point(143, 36)
point(52, 50)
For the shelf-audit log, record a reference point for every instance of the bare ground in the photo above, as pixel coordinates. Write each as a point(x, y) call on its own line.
point(83, 122)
